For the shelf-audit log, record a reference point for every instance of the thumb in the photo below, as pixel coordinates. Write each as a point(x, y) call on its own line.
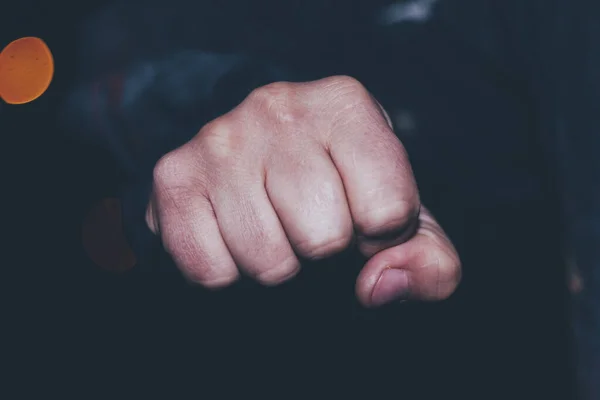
point(426, 268)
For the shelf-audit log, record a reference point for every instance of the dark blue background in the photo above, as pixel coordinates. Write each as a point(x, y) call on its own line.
point(484, 154)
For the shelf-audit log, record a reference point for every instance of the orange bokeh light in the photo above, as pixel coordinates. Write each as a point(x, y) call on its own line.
point(103, 237)
point(26, 70)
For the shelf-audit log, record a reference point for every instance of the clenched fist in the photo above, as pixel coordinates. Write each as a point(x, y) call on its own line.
point(301, 170)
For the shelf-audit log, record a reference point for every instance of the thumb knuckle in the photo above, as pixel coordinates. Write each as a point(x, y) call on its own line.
point(448, 276)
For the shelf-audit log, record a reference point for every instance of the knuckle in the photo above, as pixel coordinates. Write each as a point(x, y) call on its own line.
point(388, 220)
point(322, 247)
point(272, 93)
point(276, 101)
point(345, 81)
point(219, 141)
point(350, 103)
point(219, 127)
point(172, 172)
point(279, 274)
point(345, 87)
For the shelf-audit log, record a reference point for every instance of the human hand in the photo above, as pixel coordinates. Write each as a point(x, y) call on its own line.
point(301, 170)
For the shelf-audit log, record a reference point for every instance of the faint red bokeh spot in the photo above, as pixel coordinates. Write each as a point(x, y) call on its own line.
point(574, 280)
point(103, 237)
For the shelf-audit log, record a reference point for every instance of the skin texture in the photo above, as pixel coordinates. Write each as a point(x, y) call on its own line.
point(301, 170)
point(26, 70)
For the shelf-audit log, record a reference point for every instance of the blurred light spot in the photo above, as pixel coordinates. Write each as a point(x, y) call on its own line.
point(404, 123)
point(574, 280)
point(413, 11)
point(103, 237)
point(26, 70)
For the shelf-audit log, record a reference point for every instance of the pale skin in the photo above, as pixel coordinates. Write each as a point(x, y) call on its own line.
point(301, 170)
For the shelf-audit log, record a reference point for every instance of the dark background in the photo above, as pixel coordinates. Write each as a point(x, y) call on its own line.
point(73, 327)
